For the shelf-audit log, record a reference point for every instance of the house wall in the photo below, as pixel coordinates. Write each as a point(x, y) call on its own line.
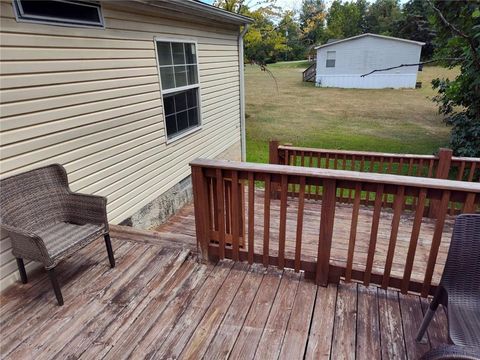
point(90, 100)
point(362, 55)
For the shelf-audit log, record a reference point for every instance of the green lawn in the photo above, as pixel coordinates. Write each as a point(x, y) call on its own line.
point(402, 121)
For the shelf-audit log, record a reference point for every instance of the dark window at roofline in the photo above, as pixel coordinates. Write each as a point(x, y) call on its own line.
point(60, 12)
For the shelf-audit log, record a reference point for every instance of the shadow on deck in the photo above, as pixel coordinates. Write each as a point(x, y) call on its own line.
point(159, 302)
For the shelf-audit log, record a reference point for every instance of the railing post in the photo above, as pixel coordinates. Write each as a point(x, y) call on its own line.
point(273, 157)
point(443, 169)
point(326, 231)
point(202, 212)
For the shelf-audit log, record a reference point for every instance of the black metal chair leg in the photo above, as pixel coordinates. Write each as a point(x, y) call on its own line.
point(21, 270)
point(56, 287)
point(108, 244)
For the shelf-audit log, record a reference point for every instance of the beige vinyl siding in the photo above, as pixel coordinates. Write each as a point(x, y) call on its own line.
point(90, 99)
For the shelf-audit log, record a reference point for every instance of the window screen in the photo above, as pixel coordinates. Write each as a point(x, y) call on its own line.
point(63, 12)
point(178, 68)
point(331, 58)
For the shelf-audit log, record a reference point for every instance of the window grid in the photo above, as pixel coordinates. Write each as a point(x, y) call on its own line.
point(184, 120)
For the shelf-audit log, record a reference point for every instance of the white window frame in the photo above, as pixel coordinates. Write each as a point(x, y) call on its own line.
point(18, 10)
point(182, 88)
point(334, 59)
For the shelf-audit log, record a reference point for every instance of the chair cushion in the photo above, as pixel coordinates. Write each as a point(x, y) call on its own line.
point(60, 237)
point(464, 324)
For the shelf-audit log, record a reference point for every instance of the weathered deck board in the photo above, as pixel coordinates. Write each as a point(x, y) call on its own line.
point(159, 302)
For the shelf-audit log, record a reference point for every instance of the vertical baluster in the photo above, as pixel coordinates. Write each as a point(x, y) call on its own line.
point(283, 222)
point(326, 231)
point(472, 172)
point(469, 204)
point(251, 216)
point(228, 206)
point(352, 168)
point(373, 234)
point(400, 167)
point(211, 221)
point(335, 162)
point(327, 161)
point(298, 242)
point(420, 168)
point(370, 170)
point(287, 157)
point(430, 168)
point(380, 165)
point(235, 217)
point(317, 188)
point(353, 231)
point(410, 167)
point(461, 171)
point(412, 247)
point(266, 221)
point(389, 171)
point(397, 212)
point(362, 164)
point(437, 238)
point(220, 213)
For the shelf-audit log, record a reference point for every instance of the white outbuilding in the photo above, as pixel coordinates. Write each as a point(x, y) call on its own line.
point(341, 63)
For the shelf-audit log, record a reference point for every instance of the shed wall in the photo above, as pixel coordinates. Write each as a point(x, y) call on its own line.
point(360, 56)
point(90, 100)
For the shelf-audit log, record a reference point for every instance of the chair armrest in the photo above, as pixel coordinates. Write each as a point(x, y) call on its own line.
point(83, 208)
point(26, 244)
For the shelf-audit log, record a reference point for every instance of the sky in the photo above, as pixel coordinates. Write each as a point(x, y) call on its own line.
point(295, 4)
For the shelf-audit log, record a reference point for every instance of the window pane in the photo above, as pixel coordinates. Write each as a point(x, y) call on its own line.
point(182, 120)
point(192, 74)
point(169, 105)
point(180, 101)
point(166, 74)
point(330, 63)
point(192, 98)
point(171, 125)
point(331, 55)
point(193, 117)
point(164, 53)
point(60, 12)
point(180, 76)
point(190, 54)
point(178, 53)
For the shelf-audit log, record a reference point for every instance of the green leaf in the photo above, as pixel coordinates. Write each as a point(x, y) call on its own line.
point(476, 13)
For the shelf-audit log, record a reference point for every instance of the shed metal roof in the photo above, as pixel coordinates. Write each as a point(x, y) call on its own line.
point(330, 43)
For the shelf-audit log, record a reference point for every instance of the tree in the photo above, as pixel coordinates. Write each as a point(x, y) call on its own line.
point(345, 19)
point(312, 21)
point(416, 25)
point(382, 17)
point(290, 29)
point(263, 42)
point(458, 36)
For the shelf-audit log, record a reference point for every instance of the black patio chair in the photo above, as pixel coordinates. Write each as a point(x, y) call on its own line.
point(459, 288)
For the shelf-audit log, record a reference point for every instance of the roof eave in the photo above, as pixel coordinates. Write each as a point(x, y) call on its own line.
point(206, 9)
point(413, 42)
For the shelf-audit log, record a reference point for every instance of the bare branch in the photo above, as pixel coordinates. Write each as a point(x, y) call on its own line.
point(414, 64)
point(263, 67)
point(457, 31)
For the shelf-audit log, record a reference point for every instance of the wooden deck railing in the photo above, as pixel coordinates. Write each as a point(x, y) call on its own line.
point(223, 190)
point(440, 166)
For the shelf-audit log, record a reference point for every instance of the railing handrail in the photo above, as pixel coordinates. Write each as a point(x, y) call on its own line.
point(355, 152)
point(345, 175)
point(373, 153)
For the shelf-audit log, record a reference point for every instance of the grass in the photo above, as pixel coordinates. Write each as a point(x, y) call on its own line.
point(388, 120)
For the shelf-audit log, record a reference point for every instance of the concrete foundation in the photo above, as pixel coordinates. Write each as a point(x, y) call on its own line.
point(159, 210)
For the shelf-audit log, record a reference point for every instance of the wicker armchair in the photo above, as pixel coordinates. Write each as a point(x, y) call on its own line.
point(46, 222)
point(459, 288)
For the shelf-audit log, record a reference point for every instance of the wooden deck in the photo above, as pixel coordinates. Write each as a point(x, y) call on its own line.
point(159, 303)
